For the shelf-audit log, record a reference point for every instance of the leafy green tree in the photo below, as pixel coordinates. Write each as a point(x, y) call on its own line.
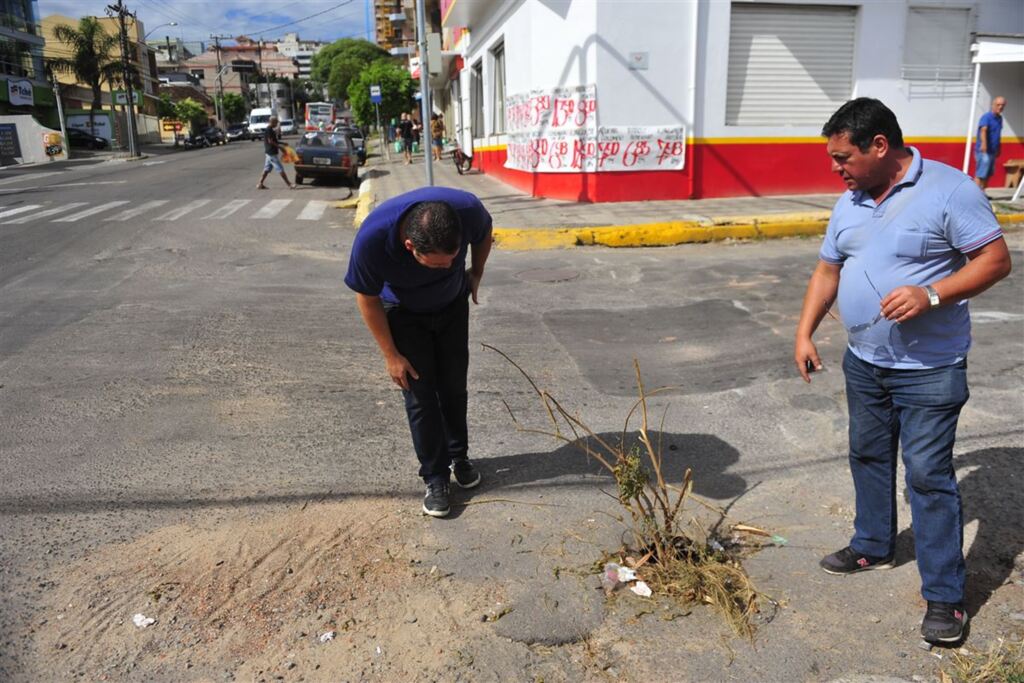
point(91, 61)
point(190, 112)
point(234, 107)
point(351, 48)
point(165, 107)
point(396, 89)
point(344, 68)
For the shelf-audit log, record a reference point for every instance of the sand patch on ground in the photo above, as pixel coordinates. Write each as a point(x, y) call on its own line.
point(250, 600)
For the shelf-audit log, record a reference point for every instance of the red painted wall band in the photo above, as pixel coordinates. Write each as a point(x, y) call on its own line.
point(733, 170)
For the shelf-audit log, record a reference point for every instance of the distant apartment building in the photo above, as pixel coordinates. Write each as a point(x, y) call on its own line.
point(395, 25)
point(300, 51)
point(262, 56)
point(23, 85)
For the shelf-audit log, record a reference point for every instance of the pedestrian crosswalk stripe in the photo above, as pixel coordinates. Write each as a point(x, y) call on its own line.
point(227, 209)
point(138, 210)
point(314, 210)
point(273, 207)
point(19, 209)
point(175, 214)
point(89, 212)
point(43, 214)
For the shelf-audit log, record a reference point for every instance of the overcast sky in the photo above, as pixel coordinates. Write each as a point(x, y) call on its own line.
point(197, 19)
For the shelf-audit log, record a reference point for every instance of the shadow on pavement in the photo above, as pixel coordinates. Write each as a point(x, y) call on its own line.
point(707, 455)
point(993, 495)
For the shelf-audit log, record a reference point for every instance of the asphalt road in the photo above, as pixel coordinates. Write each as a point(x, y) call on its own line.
point(177, 344)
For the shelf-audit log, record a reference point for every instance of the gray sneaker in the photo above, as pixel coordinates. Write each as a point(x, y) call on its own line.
point(466, 476)
point(436, 501)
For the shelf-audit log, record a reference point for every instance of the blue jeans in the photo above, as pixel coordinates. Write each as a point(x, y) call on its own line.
point(917, 409)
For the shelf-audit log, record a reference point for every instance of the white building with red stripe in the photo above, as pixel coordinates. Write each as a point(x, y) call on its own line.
point(647, 99)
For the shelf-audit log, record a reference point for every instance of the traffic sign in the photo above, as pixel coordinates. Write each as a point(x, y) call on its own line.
point(375, 96)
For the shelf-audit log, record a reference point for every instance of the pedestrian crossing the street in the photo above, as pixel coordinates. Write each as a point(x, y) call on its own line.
point(166, 211)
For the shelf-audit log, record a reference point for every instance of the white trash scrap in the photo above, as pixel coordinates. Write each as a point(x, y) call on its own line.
point(327, 637)
point(142, 621)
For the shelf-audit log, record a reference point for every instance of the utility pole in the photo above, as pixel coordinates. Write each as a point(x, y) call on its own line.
point(121, 11)
point(259, 75)
point(425, 108)
point(60, 115)
point(219, 100)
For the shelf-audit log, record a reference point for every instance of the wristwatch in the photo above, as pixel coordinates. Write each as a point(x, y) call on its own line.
point(933, 296)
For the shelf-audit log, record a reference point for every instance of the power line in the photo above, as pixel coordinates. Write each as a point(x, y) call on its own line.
point(299, 21)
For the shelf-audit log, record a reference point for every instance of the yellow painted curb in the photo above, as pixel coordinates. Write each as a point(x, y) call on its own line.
point(1009, 218)
point(363, 206)
point(349, 203)
point(661, 234)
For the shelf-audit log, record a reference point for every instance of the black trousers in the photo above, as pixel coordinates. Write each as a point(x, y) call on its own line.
point(437, 346)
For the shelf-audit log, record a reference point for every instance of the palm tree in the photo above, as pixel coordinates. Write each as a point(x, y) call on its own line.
point(91, 61)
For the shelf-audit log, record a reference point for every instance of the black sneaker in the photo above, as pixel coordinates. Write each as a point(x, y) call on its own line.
point(849, 561)
point(943, 622)
point(435, 502)
point(466, 476)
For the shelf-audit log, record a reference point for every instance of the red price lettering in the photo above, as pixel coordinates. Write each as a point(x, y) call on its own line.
point(635, 151)
point(607, 150)
point(585, 110)
point(668, 150)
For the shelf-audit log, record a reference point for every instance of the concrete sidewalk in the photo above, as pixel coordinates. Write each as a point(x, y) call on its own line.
point(525, 222)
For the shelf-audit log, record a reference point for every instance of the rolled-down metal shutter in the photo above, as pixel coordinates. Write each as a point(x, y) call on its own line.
point(788, 64)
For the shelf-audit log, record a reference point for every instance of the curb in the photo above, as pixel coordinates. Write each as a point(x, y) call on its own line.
point(365, 202)
point(664, 234)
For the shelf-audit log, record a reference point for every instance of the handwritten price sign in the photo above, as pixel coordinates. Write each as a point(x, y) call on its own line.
point(556, 131)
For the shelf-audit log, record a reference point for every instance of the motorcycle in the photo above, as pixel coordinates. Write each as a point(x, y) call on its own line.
point(196, 141)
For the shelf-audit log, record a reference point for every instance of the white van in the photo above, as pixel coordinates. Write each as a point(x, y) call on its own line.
point(259, 118)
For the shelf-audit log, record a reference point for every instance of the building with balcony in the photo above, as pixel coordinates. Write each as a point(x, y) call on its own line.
point(263, 56)
point(644, 100)
point(300, 51)
point(23, 84)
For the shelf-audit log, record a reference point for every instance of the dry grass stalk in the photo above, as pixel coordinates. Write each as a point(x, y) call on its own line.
point(1002, 663)
point(678, 562)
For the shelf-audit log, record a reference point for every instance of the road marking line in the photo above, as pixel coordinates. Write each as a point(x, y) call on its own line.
point(175, 214)
point(273, 207)
point(153, 163)
point(20, 209)
point(138, 210)
point(89, 212)
point(28, 176)
point(44, 214)
point(314, 210)
point(228, 209)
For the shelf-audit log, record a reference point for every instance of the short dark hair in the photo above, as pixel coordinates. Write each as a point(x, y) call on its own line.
point(862, 119)
point(433, 227)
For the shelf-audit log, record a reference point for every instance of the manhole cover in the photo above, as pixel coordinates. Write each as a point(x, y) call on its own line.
point(548, 275)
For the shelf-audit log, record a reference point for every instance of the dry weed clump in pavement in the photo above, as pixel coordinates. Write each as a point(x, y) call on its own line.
point(1002, 663)
point(681, 560)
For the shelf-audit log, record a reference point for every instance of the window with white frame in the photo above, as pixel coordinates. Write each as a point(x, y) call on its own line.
point(937, 44)
point(476, 99)
point(498, 99)
point(788, 64)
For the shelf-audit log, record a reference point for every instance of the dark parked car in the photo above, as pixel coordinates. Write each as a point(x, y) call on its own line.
point(327, 155)
point(215, 135)
point(239, 131)
point(79, 138)
point(357, 140)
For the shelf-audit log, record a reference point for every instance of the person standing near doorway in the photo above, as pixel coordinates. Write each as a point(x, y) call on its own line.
point(990, 136)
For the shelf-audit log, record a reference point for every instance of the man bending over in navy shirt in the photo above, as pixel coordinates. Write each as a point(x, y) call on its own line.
point(408, 269)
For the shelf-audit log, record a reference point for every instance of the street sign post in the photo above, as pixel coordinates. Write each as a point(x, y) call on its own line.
point(376, 98)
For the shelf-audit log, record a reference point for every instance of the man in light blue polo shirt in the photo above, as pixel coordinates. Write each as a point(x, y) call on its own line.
point(908, 243)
